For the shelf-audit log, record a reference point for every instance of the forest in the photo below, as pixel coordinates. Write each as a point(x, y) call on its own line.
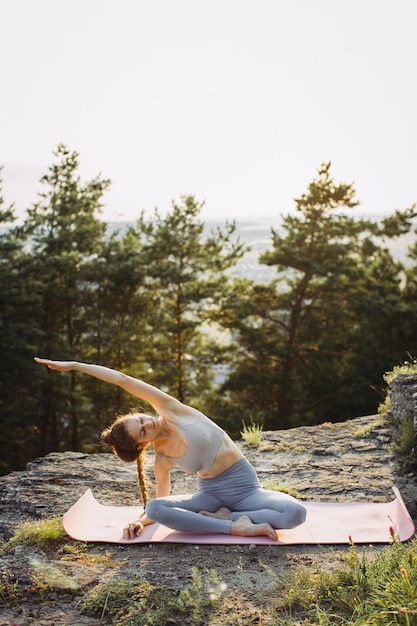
point(161, 302)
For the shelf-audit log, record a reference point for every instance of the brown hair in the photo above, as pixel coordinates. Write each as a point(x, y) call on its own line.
point(118, 439)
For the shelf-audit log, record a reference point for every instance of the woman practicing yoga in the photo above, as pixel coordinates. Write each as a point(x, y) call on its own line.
point(229, 499)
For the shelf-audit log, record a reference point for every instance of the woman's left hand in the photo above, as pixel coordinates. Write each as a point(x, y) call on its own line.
point(132, 530)
point(59, 366)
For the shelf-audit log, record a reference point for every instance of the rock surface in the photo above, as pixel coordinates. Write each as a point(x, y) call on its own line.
point(403, 405)
point(349, 461)
point(344, 461)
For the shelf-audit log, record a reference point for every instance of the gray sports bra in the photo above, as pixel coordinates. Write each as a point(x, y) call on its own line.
point(203, 439)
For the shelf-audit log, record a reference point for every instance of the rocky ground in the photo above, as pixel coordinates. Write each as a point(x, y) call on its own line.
point(348, 461)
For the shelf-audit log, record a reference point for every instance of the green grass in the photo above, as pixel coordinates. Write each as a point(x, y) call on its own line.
point(408, 367)
point(252, 434)
point(10, 592)
point(368, 431)
point(377, 588)
point(43, 533)
point(81, 552)
point(273, 485)
point(138, 603)
point(367, 587)
point(289, 447)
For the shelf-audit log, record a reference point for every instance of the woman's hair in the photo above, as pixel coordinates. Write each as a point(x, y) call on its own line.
point(116, 436)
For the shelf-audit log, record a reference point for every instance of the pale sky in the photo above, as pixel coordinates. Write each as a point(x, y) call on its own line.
point(234, 101)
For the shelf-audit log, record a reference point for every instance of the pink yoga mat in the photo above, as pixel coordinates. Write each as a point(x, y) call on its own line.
point(326, 523)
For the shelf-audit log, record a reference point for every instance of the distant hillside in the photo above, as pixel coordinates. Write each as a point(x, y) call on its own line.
point(257, 235)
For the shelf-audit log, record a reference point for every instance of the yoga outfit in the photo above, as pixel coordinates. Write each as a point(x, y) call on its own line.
point(237, 488)
point(203, 442)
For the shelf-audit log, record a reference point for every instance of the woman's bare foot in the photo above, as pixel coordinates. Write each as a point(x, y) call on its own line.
point(222, 513)
point(246, 528)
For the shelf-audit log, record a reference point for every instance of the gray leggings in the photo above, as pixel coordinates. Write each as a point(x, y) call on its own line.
point(238, 489)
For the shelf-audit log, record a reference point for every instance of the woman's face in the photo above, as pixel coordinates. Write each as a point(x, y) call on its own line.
point(143, 428)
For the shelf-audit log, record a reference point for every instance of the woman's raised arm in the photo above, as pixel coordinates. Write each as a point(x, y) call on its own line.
point(145, 391)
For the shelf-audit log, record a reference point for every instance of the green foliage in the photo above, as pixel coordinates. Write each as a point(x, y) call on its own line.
point(280, 486)
point(407, 368)
point(10, 593)
point(138, 603)
point(160, 302)
point(289, 447)
point(18, 334)
point(368, 586)
point(186, 275)
point(83, 554)
point(368, 431)
point(326, 329)
point(379, 589)
point(409, 296)
point(143, 302)
point(45, 312)
point(252, 434)
point(40, 533)
point(66, 235)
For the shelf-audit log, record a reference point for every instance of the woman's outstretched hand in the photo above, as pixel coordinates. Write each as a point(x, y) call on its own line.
point(59, 366)
point(134, 529)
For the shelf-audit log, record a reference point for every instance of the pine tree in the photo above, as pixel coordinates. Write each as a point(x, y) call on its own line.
point(302, 338)
point(187, 273)
point(66, 235)
point(18, 334)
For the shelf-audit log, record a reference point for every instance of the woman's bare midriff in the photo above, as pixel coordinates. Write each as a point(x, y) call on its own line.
point(227, 455)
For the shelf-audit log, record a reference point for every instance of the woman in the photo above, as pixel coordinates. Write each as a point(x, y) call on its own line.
point(230, 498)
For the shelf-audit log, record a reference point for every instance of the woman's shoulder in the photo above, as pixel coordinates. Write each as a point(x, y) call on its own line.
point(180, 414)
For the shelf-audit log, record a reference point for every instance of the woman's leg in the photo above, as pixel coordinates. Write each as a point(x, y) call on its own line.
point(278, 509)
point(182, 513)
point(239, 490)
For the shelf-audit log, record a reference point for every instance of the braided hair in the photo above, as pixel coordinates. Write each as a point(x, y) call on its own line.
point(142, 477)
point(119, 440)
